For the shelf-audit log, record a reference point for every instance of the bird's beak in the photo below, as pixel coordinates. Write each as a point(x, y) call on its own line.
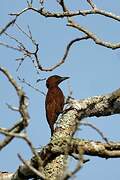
point(63, 78)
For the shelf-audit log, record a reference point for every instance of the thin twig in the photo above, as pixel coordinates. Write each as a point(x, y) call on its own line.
point(24, 137)
point(7, 26)
point(91, 4)
point(96, 129)
point(38, 173)
point(12, 108)
point(27, 83)
point(78, 167)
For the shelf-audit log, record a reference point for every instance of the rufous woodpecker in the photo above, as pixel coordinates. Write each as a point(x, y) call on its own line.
point(54, 102)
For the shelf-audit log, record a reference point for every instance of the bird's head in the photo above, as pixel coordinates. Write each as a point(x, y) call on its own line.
point(54, 80)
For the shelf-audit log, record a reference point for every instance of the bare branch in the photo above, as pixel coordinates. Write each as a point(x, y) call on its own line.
point(101, 12)
point(7, 26)
point(29, 36)
point(93, 36)
point(91, 4)
point(64, 56)
point(96, 129)
point(23, 11)
point(12, 81)
point(6, 175)
point(70, 174)
point(10, 47)
point(62, 4)
point(62, 145)
point(18, 127)
point(99, 149)
point(23, 105)
point(28, 84)
point(24, 137)
point(46, 13)
point(34, 55)
point(88, 147)
point(38, 173)
point(78, 166)
point(12, 108)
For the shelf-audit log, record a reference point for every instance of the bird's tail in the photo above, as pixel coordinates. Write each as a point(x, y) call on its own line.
point(52, 131)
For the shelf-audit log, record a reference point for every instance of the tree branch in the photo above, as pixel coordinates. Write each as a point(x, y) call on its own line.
point(68, 123)
point(46, 13)
point(23, 105)
point(7, 26)
point(91, 35)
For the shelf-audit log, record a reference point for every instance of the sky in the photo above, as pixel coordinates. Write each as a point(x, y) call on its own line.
point(93, 70)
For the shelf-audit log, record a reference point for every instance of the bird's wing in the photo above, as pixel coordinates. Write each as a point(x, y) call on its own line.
point(54, 105)
point(51, 110)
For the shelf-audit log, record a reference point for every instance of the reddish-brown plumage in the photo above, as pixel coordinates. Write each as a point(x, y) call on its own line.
point(54, 100)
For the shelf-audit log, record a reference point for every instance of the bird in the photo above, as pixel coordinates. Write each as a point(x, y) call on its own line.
point(54, 101)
